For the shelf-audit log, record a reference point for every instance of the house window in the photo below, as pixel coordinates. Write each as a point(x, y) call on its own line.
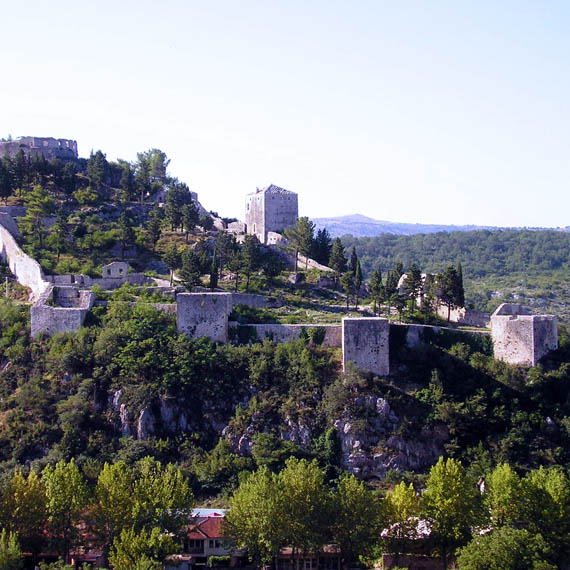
point(215, 543)
point(193, 546)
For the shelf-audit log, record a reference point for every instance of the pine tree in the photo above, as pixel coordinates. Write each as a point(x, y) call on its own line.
point(214, 272)
point(172, 259)
point(337, 260)
point(357, 281)
point(126, 233)
point(190, 217)
point(376, 288)
point(191, 269)
point(413, 285)
point(347, 284)
point(460, 289)
point(300, 238)
point(250, 257)
point(322, 246)
point(353, 261)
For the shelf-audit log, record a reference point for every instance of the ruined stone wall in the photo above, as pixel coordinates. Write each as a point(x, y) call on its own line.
point(26, 270)
point(284, 333)
point(253, 300)
point(465, 316)
point(545, 335)
point(255, 215)
point(281, 211)
point(523, 339)
point(49, 319)
point(204, 314)
point(106, 283)
point(48, 146)
point(365, 344)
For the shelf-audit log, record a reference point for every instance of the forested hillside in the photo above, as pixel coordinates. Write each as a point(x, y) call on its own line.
point(524, 266)
point(110, 406)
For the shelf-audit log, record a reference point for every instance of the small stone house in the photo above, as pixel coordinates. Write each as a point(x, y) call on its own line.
point(116, 269)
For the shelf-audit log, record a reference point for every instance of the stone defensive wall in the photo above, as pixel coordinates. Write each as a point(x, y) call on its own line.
point(204, 314)
point(253, 300)
point(106, 283)
point(365, 344)
point(26, 270)
point(521, 338)
point(284, 333)
point(67, 316)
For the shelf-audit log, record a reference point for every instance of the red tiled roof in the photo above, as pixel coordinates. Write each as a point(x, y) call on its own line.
point(209, 527)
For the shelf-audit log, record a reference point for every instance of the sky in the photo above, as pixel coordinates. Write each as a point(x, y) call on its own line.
point(440, 112)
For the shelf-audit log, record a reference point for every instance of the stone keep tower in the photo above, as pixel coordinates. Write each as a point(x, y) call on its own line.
point(521, 338)
point(270, 209)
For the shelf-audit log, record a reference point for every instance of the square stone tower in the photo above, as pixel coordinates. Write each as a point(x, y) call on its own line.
point(270, 209)
point(521, 338)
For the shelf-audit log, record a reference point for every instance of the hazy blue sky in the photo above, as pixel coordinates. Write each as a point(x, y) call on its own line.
point(433, 112)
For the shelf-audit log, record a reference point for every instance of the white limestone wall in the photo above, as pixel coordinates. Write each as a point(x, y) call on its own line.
point(27, 270)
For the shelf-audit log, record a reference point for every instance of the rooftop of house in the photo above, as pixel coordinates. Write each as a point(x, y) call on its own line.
point(208, 527)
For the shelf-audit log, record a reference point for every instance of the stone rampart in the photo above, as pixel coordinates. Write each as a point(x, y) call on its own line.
point(204, 314)
point(522, 339)
point(465, 316)
point(365, 343)
point(284, 333)
point(50, 319)
point(253, 300)
point(106, 283)
point(26, 270)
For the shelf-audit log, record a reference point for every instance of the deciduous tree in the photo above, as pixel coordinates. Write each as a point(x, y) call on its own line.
point(450, 503)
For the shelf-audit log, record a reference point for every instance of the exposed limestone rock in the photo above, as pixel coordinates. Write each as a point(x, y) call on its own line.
point(298, 432)
point(371, 447)
point(145, 424)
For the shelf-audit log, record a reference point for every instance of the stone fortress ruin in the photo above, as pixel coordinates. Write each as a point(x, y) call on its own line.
point(61, 302)
point(522, 338)
point(64, 149)
point(268, 211)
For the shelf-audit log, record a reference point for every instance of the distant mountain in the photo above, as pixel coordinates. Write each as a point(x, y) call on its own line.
point(362, 226)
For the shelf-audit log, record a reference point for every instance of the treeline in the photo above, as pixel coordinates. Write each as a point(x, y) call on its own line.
point(136, 516)
point(504, 522)
point(497, 252)
point(86, 181)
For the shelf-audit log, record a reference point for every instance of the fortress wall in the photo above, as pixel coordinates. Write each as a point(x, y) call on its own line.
point(253, 300)
point(281, 211)
point(465, 316)
point(255, 215)
point(365, 344)
point(545, 330)
point(27, 270)
point(513, 339)
point(48, 319)
point(204, 314)
point(284, 333)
